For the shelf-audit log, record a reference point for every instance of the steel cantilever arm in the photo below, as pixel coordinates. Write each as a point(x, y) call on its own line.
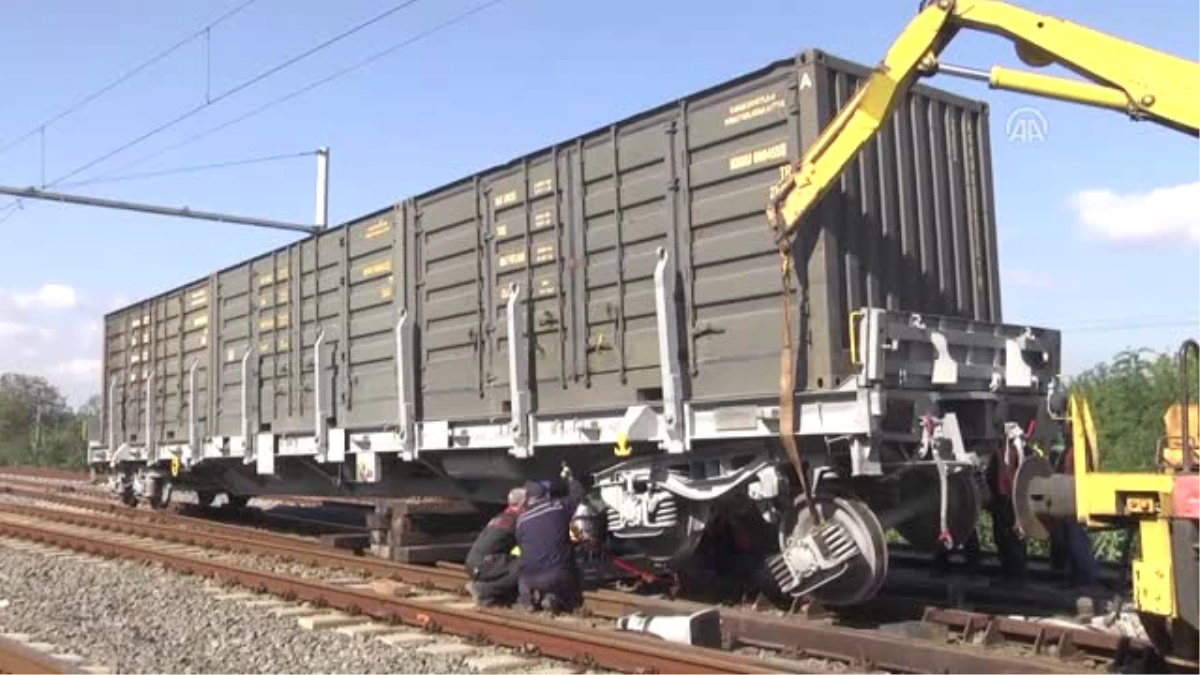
point(1143, 82)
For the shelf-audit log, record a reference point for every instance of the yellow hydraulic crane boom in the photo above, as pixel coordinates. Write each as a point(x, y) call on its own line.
point(1144, 83)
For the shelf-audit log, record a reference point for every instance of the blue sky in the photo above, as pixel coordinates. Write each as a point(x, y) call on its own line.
point(514, 78)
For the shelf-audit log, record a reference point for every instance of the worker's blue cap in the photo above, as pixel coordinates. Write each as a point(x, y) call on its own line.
point(536, 489)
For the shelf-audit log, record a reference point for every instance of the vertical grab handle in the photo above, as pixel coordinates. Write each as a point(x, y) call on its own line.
point(193, 451)
point(319, 421)
point(112, 416)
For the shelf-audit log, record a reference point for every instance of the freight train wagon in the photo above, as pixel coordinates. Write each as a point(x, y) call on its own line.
point(613, 302)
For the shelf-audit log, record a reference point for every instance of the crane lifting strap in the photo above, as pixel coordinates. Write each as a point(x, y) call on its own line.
point(787, 383)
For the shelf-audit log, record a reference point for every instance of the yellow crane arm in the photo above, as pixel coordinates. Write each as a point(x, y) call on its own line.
point(1143, 82)
point(1125, 76)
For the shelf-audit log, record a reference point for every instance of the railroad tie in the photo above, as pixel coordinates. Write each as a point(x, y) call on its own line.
point(498, 663)
point(236, 595)
point(330, 620)
point(293, 611)
point(408, 638)
point(369, 629)
point(77, 662)
point(447, 648)
point(268, 603)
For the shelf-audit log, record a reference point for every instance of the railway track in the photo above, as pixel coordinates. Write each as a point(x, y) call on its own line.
point(46, 472)
point(942, 647)
point(316, 526)
point(905, 594)
point(18, 656)
point(579, 643)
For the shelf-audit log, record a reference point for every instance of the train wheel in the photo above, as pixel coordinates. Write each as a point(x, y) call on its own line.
point(205, 498)
point(237, 501)
point(161, 499)
point(867, 569)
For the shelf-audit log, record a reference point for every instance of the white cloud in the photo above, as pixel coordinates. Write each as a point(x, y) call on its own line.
point(78, 368)
point(1165, 215)
point(65, 345)
point(49, 296)
point(12, 329)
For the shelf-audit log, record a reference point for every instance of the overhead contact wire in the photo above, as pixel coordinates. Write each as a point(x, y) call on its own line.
point(309, 87)
point(81, 103)
point(240, 87)
point(192, 169)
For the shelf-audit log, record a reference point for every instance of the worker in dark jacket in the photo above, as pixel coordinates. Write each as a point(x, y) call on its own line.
point(1070, 546)
point(549, 577)
point(492, 563)
point(1009, 546)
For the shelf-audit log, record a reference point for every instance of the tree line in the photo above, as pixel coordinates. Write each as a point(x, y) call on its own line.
point(1130, 395)
point(38, 427)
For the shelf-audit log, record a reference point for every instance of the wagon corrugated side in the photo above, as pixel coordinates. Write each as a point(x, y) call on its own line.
point(578, 227)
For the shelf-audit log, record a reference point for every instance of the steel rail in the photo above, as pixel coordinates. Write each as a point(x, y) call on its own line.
point(1041, 637)
point(99, 499)
point(16, 657)
point(246, 541)
point(625, 652)
point(44, 472)
point(750, 628)
point(195, 531)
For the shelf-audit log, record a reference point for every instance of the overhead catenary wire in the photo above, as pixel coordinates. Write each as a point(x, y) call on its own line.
point(1194, 323)
point(360, 64)
point(192, 169)
point(83, 102)
point(234, 90)
point(1148, 319)
point(12, 210)
point(309, 87)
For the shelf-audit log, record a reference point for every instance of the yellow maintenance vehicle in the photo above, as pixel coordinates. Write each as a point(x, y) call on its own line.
point(1145, 84)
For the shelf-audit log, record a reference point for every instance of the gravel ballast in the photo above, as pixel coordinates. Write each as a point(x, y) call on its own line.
point(134, 618)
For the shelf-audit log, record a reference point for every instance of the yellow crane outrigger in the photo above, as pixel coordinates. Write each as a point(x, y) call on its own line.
point(1145, 84)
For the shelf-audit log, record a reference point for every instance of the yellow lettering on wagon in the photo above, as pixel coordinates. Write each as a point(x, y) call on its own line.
point(507, 199)
point(756, 106)
point(377, 268)
point(746, 160)
point(378, 229)
point(511, 259)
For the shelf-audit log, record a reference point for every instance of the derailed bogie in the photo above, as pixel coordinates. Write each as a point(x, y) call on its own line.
point(133, 484)
point(661, 505)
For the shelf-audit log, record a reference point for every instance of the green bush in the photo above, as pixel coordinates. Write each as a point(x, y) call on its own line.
point(37, 427)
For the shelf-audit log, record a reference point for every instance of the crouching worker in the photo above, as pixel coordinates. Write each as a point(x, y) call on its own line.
point(492, 562)
point(549, 577)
